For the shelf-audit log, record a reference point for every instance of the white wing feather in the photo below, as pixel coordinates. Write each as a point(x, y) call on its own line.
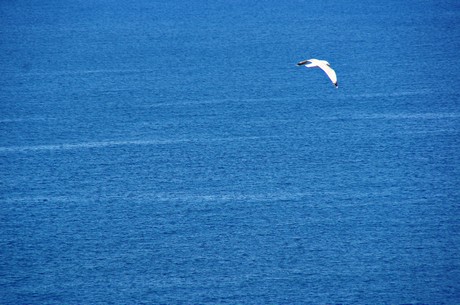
point(330, 73)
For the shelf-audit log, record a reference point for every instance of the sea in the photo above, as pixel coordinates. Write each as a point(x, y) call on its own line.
point(171, 152)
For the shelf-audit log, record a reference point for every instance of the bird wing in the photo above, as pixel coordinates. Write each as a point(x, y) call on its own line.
point(309, 63)
point(303, 62)
point(330, 73)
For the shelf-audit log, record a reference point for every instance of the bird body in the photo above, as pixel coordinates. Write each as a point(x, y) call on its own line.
point(323, 65)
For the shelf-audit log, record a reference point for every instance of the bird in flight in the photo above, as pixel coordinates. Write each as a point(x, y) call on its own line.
point(323, 65)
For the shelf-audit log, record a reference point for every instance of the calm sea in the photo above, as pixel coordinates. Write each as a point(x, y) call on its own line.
point(172, 152)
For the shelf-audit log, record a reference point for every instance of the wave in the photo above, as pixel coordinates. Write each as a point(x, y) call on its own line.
point(390, 94)
point(85, 72)
point(222, 101)
point(102, 144)
point(220, 197)
point(164, 197)
point(422, 116)
point(397, 116)
point(288, 98)
point(25, 119)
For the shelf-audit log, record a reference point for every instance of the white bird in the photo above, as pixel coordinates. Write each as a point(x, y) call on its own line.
point(323, 65)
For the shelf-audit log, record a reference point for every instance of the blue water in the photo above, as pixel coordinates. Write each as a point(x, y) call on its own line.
point(172, 152)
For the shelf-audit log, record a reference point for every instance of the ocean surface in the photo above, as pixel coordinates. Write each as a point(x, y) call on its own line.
point(171, 152)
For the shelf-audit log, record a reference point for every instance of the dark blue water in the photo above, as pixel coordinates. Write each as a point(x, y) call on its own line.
point(172, 152)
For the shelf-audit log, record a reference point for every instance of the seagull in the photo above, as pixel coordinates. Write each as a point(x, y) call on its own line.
point(324, 65)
